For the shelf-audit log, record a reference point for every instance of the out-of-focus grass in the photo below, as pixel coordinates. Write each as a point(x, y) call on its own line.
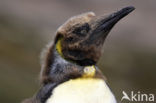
point(19, 62)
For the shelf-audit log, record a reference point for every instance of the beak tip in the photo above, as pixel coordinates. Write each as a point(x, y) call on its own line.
point(129, 8)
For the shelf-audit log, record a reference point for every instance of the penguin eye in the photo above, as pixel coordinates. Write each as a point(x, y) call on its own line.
point(82, 30)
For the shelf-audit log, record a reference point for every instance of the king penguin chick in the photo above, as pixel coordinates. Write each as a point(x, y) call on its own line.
point(69, 73)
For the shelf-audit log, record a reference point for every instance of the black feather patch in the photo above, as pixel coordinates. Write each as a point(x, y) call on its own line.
point(82, 30)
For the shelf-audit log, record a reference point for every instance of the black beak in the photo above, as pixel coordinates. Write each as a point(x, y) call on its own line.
point(103, 25)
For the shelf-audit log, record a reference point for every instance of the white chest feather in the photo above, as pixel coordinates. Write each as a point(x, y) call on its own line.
point(83, 90)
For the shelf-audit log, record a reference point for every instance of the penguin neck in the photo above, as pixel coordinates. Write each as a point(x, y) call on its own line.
point(60, 57)
point(60, 70)
point(64, 60)
point(59, 60)
point(88, 71)
point(85, 62)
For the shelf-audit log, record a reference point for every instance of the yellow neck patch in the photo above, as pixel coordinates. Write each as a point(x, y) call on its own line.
point(58, 47)
point(89, 71)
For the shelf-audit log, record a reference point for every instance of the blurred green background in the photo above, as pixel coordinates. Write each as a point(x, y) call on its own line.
point(26, 26)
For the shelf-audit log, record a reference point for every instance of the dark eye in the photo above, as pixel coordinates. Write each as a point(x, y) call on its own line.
point(82, 30)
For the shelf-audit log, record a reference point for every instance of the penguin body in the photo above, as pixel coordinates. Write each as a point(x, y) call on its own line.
point(69, 73)
point(82, 90)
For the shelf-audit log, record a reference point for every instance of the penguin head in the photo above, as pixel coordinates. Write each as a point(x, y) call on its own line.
point(80, 39)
